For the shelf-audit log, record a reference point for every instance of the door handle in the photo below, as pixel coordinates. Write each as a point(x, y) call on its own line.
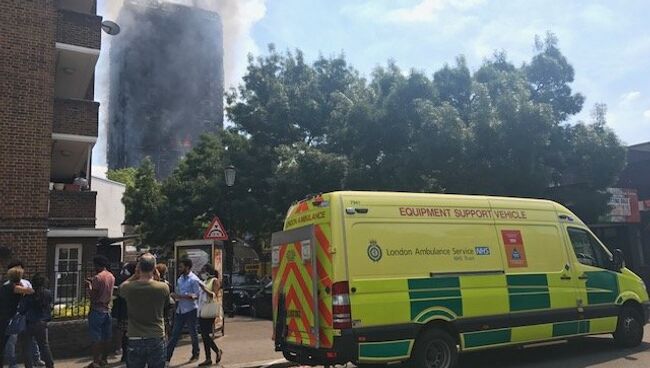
point(583, 277)
point(565, 277)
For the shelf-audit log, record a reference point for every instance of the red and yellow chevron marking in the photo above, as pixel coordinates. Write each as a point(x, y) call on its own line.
point(294, 278)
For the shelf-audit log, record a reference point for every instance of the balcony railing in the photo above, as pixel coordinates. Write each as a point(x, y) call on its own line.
point(72, 209)
point(77, 117)
point(78, 29)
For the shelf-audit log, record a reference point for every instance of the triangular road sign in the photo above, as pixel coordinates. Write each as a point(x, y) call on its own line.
point(215, 231)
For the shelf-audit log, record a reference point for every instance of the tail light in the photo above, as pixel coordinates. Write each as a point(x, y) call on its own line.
point(341, 310)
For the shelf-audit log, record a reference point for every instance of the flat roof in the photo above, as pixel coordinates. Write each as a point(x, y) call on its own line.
point(640, 146)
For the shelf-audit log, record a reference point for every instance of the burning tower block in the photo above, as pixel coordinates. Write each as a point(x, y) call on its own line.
point(166, 83)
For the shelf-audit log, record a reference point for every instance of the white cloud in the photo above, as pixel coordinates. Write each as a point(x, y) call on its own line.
point(646, 114)
point(629, 97)
point(425, 11)
point(428, 10)
point(599, 15)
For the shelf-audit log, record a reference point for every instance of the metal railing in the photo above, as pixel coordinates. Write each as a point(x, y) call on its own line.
point(69, 290)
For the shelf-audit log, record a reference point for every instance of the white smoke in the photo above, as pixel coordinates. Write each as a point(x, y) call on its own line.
point(238, 17)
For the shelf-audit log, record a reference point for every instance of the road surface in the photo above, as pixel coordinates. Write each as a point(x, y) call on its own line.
point(593, 351)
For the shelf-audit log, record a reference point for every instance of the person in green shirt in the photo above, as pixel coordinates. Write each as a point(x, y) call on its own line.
point(146, 301)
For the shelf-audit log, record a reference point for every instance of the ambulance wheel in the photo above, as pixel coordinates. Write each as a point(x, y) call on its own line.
point(435, 348)
point(629, 331)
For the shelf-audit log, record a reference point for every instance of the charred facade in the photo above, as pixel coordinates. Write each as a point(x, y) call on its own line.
point(166, 83)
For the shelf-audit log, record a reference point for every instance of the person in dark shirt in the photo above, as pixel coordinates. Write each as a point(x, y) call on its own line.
point(10, 294)
point(37, 309)
point(119, 310)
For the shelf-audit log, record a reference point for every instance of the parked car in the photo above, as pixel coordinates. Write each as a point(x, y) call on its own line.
point(262, 304)
point(237, 298)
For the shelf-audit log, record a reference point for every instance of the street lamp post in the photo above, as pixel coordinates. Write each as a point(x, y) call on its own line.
point(230, 173)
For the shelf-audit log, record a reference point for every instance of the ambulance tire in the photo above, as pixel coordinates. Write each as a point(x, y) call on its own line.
point(434, 348)
point(629, 331)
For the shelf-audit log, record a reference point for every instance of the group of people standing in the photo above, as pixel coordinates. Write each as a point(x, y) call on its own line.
point(25, 310)
point(147, 297)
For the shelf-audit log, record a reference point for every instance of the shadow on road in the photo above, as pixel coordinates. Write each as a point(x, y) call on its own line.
point(580, 353)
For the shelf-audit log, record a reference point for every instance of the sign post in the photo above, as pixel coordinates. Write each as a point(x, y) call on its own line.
point(216, 231)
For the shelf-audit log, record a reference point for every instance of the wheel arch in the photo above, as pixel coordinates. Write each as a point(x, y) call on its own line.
point(441, 324)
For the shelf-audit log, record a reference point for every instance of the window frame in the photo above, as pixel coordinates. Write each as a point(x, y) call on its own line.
point(597, 248)
point(76, 273)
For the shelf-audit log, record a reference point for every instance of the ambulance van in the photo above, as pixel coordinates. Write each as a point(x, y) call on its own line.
point(379, 278)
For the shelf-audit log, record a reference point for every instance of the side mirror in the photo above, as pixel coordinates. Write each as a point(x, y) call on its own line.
point(618, 261)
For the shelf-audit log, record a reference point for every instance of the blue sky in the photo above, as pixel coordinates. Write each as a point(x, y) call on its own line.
point(607, 42)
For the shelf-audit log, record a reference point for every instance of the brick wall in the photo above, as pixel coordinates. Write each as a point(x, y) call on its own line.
point(79, 29)
point(76, 117)
point(70, 339)
point(27, 245)
point(72, 209)
point(27, 36)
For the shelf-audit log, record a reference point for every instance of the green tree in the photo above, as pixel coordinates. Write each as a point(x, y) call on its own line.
point(304, 127)
point(143, 201)
point(125, 176)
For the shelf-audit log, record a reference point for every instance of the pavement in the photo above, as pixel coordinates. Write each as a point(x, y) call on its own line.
point(247, 344)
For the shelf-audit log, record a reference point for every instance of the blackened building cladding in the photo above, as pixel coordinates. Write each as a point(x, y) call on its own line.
point(167, 83)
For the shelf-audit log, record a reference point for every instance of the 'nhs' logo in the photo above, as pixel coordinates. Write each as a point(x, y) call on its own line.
point(482, 251)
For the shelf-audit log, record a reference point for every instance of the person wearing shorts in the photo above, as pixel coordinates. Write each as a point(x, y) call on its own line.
point(100, 292)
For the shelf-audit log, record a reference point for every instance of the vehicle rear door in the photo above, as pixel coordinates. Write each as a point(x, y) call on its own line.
point(295, 287)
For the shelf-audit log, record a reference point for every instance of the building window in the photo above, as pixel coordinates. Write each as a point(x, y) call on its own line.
point(67, 273)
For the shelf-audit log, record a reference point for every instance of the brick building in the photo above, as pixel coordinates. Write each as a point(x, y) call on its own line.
point(48, 126)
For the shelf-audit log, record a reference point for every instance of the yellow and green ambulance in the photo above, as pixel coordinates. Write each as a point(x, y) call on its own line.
point(376, 278)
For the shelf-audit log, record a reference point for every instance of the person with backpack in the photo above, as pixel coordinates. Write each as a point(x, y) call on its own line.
point(208, 312)
point(37, 309)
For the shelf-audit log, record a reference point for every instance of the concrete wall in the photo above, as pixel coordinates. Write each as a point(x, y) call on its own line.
point(110, 209)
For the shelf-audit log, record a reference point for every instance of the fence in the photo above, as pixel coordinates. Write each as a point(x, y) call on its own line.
point(69, 289)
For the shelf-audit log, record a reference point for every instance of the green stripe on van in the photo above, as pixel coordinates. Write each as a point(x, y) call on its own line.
point(453, 304)
point(434, 283)
point(527, 280)
point(528, 292)
point(486, 338)
point(570, 328)
point(389, 349)
point(524, 302)
point(602, 287)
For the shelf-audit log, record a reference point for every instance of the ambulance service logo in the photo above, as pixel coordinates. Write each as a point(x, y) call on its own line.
point(374, 251)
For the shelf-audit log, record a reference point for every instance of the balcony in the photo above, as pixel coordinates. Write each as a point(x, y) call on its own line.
point(75, 117)
point(78, 39)
point(72, 209)
point(79, 6)
point(78, 29)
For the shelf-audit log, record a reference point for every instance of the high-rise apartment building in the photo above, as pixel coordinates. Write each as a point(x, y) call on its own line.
point(167, 83)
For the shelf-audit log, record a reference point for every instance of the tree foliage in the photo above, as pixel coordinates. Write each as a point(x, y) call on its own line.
point(125, 176)
point(300, 128)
